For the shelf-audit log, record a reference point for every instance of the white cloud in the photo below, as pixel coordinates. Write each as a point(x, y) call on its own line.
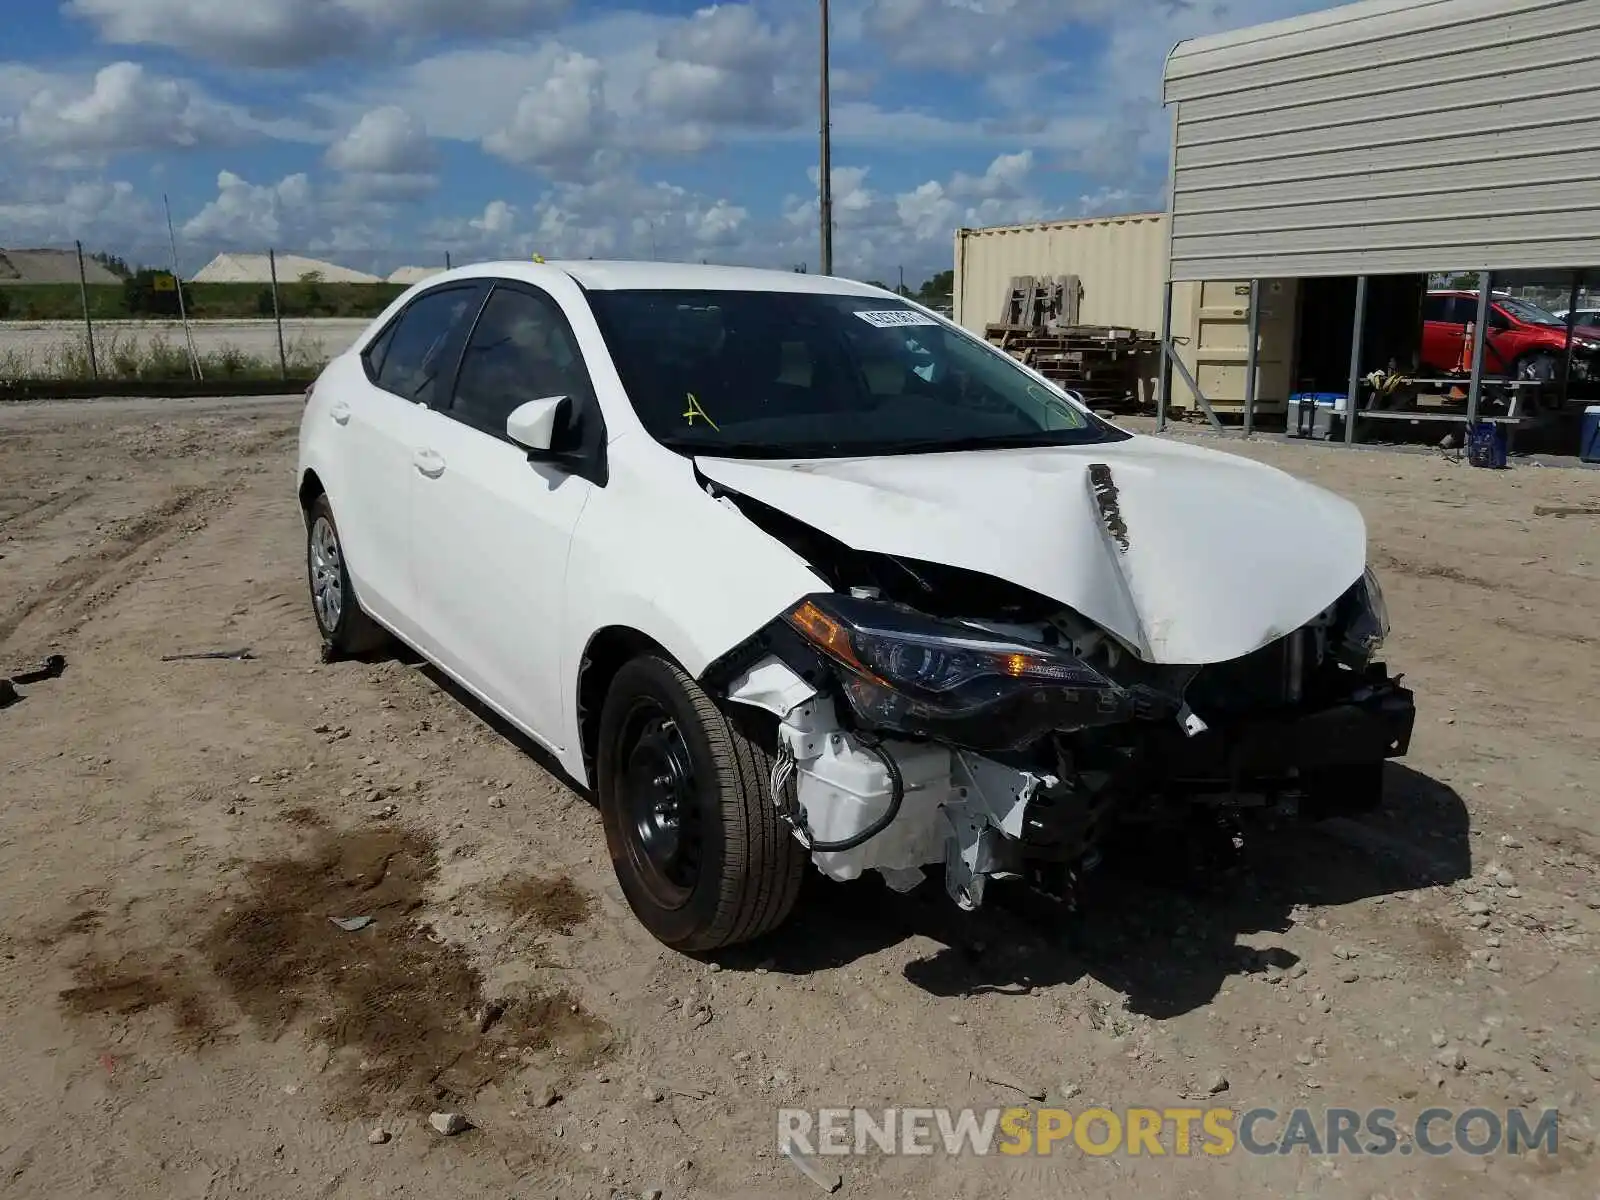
point(387, 153)
point(103, 213)
point(497, 219)
point(244, 213)
point(617, 216)
point(963, 35)
point(124, 109)
point(618, 86)
point(724, 66)
point(561, 123)
point(385, 141)
point(277, 33)
point(876, 231)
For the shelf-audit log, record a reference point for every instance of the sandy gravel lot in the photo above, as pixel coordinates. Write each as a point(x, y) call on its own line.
point(181, 1020)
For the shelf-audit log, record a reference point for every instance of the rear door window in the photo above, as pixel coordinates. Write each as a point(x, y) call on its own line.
point(420, 352)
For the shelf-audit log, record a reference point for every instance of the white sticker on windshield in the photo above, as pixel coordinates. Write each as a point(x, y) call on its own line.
point(891, 318)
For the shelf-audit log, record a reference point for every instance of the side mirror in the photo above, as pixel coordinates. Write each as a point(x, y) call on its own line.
point(533, 425)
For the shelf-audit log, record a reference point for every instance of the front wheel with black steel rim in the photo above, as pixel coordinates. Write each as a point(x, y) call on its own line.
point(699, 849)
point(345, 626)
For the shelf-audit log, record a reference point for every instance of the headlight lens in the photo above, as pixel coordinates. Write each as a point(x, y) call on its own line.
point(903, 671)
point(1367, 626)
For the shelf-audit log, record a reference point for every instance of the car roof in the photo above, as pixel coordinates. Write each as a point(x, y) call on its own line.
point(601, 276)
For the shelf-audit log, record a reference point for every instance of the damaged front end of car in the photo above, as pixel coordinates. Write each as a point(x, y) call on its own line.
point(929, 715)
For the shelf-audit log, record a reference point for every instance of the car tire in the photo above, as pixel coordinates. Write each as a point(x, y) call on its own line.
point(1540, 365)
point(701, 854)
point(345, 626)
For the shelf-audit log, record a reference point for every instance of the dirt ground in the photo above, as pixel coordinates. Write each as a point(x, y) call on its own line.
point(182, 1019)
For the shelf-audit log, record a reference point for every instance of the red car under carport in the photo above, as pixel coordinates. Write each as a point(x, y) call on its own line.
point(1525, 341)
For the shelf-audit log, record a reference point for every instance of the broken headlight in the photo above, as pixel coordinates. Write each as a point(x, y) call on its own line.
point(1366, 624)
point(913, 674)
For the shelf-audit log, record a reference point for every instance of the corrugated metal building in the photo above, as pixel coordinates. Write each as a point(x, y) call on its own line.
point(1378, 142)
point(1389, 136)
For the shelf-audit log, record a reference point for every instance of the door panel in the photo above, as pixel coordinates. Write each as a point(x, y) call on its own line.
point(492, 529)
point(379, 432)
point(1442, 334)
point(379, 416)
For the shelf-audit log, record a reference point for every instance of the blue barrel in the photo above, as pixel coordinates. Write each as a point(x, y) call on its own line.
point(1589, 435)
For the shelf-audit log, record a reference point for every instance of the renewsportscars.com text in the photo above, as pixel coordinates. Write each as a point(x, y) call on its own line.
point(1157, 1132)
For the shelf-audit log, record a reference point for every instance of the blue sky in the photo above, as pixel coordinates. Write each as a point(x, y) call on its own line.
point(387, 132)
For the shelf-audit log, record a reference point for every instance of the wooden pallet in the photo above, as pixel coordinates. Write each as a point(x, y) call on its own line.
point(1103, 363)
point(1035, 302)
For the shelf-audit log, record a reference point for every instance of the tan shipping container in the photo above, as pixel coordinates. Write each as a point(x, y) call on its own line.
point(1120, 261)
point(1122, 265)
point(1213, 321)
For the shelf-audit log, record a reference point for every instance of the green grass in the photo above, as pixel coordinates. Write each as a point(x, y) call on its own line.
point(206, 301)
point(157, 358)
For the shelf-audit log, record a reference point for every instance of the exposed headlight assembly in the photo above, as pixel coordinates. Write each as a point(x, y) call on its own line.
point(1367, 625)
point(912, 674)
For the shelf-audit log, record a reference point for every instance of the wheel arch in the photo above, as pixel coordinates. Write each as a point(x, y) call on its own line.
point(310, 488)
point(606, 652)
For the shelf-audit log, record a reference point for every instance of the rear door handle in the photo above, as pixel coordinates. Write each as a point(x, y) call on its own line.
point(340, 412)
point(429, 462)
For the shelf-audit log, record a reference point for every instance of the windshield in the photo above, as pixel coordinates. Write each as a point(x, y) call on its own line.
point(1528, 314)
point(802, 375)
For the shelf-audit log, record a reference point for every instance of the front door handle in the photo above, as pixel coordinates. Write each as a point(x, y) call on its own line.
point(340, 412)
point(429, 462)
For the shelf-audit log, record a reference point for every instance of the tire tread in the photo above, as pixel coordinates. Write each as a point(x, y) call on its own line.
point(762, 863)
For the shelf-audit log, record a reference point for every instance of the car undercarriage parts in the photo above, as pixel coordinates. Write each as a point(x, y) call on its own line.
point(855, 803)
point(894, 806)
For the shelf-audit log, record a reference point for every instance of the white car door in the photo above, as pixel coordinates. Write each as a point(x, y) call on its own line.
point(491, 527)
point(377, 419)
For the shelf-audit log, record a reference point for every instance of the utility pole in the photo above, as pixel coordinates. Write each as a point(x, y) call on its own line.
point(825, 176)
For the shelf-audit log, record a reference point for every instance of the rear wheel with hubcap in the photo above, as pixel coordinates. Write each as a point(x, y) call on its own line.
point(699, 850)
point(345, 626)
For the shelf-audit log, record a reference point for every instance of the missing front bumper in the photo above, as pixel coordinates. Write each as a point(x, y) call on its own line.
point(981, 818)
point(1373, 726)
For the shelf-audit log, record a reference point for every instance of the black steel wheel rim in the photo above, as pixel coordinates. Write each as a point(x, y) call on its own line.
point(661, 813)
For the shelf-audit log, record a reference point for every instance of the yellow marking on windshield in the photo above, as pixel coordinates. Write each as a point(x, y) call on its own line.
point(694, 410)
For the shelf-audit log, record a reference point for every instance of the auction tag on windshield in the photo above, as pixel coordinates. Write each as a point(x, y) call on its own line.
point(892, 318)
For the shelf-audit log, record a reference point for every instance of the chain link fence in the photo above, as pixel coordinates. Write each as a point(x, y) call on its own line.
point(71, 313)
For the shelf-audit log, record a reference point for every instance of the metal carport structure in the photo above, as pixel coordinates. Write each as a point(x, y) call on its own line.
point(1385, 137)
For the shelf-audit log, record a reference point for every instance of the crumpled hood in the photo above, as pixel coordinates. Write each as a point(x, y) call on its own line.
point(1189, 555)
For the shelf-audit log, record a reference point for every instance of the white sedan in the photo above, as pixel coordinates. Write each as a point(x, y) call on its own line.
point(785, 568)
